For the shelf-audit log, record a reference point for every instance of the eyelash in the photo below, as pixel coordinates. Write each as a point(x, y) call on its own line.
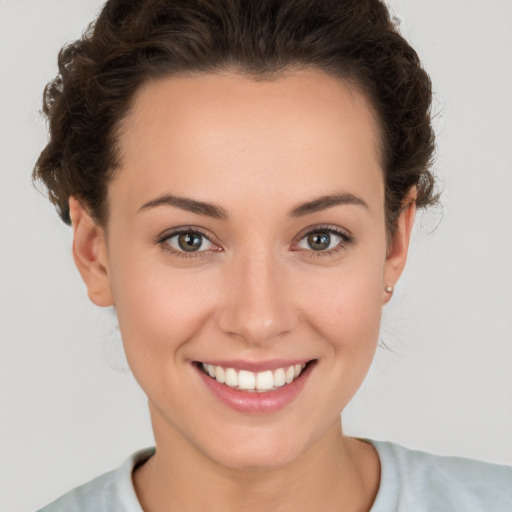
point(345, 241)
point(188, 230)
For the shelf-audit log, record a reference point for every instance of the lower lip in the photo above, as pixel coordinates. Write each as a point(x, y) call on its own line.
point(257, 402)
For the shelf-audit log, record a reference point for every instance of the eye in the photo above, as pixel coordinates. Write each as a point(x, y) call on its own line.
point(189, 242)
point(323, 240)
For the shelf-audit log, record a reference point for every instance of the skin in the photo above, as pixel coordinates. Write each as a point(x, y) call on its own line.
point(258, 291)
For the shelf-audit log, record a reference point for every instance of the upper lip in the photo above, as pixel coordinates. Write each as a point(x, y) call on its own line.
point(256, 366)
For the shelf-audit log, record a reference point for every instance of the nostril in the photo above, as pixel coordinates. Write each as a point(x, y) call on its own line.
point(257, 329)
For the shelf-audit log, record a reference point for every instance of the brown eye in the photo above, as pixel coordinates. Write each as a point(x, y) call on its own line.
point(319, 241)
point(189, 241)
point(323, 240)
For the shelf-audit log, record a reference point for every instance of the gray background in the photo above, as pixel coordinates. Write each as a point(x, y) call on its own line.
point(69, 411)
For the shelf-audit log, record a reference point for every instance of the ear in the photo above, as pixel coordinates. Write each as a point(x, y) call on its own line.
point(399, 243)
point(90, 254)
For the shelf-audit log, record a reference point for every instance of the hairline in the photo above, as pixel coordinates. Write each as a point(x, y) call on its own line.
point(352, 84)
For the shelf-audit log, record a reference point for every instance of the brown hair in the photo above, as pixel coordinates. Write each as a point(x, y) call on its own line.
point(133, 41)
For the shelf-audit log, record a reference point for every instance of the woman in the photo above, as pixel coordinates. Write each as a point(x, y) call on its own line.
point(242, 179)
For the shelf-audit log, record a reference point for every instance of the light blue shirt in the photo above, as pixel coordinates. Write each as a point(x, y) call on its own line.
point(411, 481)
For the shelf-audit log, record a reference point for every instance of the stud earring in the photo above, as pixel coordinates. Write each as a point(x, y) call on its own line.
point(389, 289)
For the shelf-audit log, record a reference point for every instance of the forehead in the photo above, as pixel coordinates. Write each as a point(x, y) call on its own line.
point(304, 131)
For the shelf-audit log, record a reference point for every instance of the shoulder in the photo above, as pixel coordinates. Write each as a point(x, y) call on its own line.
point(420, 481)
point(110, 492)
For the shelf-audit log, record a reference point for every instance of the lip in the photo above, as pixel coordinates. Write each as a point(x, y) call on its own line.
point(265, 402)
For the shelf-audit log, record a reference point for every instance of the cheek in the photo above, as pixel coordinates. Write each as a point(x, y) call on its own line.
point(346, 307)
point(158, 307)
point(346, 318)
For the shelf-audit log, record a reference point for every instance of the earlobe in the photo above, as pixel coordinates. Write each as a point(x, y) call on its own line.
point(90, 254)
point(399, 245)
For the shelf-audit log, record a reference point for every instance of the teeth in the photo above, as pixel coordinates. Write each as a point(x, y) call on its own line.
point(250, 381)
point(220, 374)
point(279, 378)
point(246, 380)
point(264, 380)
point(231, 378)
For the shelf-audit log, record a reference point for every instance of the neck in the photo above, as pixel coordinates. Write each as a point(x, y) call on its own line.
point(335, 473)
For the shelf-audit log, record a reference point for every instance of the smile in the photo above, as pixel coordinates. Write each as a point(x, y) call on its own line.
point(255, 388)
point(245, 380)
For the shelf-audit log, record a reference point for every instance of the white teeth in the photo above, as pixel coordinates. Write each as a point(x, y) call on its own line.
point(289, 374)
point(265, 380)
point(250, 381)
point(231, 378)
point(220, 374)
point(279, 378)
point(246, 380)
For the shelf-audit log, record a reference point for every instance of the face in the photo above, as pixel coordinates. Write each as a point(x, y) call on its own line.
point(246, 236)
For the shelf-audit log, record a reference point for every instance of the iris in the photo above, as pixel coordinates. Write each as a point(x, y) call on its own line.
point(190, 242)
point(319, 241)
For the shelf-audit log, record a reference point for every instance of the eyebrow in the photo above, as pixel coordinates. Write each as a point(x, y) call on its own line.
point(190, 205)
point(217, 212)
point(327, 201)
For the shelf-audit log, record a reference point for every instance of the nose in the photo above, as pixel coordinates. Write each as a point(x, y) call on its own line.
point(258, 302)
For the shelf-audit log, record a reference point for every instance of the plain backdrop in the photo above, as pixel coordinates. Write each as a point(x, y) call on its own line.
point(69, 410)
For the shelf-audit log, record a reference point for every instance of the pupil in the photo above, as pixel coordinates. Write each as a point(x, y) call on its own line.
point(319, 241)
point(189, 242)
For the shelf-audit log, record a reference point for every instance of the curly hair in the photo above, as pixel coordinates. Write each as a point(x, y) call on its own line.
point(133, 41)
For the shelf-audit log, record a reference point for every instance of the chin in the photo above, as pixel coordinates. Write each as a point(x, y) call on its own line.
point(258, 456)
point(262, 447)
